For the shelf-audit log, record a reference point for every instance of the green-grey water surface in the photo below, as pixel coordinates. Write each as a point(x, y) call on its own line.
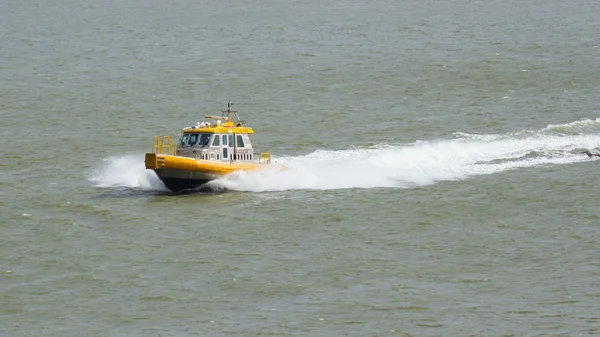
point(435, 185)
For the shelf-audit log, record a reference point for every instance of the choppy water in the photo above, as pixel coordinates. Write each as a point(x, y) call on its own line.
point(435, 182)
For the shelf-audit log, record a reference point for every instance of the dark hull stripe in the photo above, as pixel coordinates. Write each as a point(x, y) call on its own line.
point(178, 184)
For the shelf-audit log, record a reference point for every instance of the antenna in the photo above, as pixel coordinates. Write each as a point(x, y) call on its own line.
point(229, 111)
point(226, 115)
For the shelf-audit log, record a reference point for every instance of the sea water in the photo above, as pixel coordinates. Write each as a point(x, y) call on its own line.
point(434, 181)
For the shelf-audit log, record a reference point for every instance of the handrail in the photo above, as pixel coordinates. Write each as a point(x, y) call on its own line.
point(264, 158)
point(163, 144)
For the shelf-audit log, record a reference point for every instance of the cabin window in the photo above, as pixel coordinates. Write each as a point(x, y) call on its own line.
point(224, 140)
point(216, 140)
point(231, 140)
point(204, 139)
point(184, 139)
point(193, 139)
point(240, 141)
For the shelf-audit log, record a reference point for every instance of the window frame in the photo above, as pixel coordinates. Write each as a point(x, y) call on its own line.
point(239, 138)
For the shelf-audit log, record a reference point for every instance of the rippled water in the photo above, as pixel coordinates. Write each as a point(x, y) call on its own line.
point(435, 181)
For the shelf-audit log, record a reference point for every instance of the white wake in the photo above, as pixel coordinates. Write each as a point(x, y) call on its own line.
point(390, 165)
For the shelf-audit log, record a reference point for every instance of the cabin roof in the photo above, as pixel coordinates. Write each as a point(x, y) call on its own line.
point(218, 128)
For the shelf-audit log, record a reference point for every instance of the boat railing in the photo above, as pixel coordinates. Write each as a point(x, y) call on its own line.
point(163, 145)
point(264, 158)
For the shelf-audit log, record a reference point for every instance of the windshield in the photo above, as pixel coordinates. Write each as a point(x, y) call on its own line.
point(195, 139)
point(204, 138)
point(184, 139)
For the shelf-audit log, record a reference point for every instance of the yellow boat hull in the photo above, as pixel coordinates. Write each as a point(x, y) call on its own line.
point(183, 173)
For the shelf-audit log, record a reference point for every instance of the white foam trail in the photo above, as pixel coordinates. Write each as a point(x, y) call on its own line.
point(578, 127)
point(581, 125)
point(401, 166)
point(417, 164)
point(126, 171)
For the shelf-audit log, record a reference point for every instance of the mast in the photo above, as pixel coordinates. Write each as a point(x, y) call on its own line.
point(226, 116)
point(229, 111)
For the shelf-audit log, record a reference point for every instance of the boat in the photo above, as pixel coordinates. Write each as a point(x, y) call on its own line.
point(205, 151)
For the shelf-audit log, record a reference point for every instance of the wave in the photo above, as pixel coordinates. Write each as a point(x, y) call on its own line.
point(388, 165)
point(126, 171)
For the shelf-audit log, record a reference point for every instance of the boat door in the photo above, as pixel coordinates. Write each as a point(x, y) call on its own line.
point(224, 147)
